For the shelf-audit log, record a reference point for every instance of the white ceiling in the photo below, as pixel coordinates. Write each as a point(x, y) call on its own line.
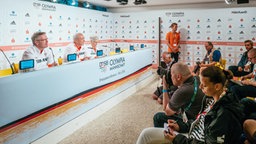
point(114, 4)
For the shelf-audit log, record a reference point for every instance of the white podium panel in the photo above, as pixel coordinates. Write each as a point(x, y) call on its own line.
point(26, 93)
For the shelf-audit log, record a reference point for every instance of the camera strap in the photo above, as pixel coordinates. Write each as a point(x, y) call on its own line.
point(194, 94)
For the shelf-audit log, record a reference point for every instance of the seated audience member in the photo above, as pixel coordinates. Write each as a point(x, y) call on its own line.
point(185, 102)
point(93, 49)
point(244, 67)
point(77, 47)
point(250, 131)
point(249, 108)
point(212, 57)
point(219, 120)
point(165, 66)
point(39, 51)
point(249, 86)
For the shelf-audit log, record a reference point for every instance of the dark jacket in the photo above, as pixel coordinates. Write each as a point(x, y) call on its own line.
point(243, 60)
point(222, 123)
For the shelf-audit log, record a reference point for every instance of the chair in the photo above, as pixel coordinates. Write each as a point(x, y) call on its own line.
point(223, 63)
point(9, 71)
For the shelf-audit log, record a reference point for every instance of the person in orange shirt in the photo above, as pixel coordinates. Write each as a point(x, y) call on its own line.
point(173, 41)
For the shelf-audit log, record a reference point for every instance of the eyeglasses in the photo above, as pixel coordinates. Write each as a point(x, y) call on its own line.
point(42, 39)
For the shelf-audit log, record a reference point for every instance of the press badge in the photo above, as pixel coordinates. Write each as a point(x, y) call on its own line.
point(184, 117)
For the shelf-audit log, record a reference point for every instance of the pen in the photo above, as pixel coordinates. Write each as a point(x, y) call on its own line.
point(175, 122)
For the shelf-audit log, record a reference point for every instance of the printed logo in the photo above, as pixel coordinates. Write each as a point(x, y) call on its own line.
point(48, 7)
point(241, 26)
point(13, 23)
point(27, 15)
point(13, 13)
point(103, 66)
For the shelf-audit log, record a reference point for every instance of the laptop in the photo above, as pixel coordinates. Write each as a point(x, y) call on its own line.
point(237, 82)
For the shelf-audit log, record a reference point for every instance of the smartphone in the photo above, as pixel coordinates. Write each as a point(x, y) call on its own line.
point(166, 129)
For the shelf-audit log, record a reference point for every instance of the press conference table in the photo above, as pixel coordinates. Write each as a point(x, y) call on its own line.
point(26, 93)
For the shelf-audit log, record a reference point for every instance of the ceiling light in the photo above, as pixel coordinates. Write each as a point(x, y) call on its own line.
point(137, 2)
point(229, 1)
point(122, 2)
point(87, 5)
point(144, 2)
point(73, 2)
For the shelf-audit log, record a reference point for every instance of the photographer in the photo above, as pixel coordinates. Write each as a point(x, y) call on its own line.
point(161, 71)
point(184, 104)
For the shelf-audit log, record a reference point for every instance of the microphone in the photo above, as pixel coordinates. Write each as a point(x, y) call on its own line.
point(106, 46)
point(53, 56)
point(115, 43)
point(8, 61)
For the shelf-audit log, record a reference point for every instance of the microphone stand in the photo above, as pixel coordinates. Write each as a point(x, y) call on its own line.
point(8, 61)
point(117, 46)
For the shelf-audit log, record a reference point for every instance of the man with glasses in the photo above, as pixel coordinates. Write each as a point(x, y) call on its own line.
point(249, 81)
point(244, 66)
point(40, 52)
point(212, 57)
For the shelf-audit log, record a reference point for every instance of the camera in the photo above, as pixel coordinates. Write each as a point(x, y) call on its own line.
point(197, 67)
point(162, 71)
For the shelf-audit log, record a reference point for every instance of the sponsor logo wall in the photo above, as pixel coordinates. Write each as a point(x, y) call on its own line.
point(60, 22)
point(226, 28)
point(138, 29)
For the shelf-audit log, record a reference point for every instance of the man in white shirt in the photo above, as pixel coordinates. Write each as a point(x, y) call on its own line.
point(39, 51)
point(93, 49)
point(77, 47)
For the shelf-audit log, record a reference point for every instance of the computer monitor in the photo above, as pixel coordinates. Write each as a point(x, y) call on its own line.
point(71, 57)
point(26, 64)
point(118, 50)
point(99, 53)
